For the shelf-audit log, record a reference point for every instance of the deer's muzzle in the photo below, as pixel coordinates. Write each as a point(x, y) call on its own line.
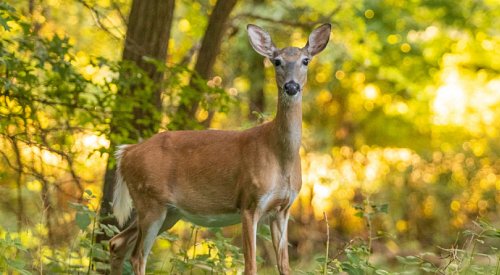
point(291, 88)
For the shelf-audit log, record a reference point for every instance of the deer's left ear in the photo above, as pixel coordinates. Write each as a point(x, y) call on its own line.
point(318, 39)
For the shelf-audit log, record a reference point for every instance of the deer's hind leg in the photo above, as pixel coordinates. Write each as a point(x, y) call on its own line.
point(149, 224)
point(120, 245)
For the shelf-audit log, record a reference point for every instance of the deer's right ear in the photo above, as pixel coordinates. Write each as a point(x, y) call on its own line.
point(261, 41)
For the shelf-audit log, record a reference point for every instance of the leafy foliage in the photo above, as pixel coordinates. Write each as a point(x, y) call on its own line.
point(10, 258)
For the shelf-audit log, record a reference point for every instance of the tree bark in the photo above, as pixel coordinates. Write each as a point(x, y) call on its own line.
point(207, 55)
point(256, 97)
point(148, 32)
point(47, 208)
point(344, 135)
point(20, 203)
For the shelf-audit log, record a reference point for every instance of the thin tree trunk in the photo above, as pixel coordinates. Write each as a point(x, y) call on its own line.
point(148, 32)
point(47, 208)
point(20, 203)
point(31, 6)
point(256, 97)
point(207, 55)
point(344, 136)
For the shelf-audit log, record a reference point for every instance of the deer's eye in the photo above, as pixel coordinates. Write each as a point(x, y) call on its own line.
point(305, 61)
point(276, 62)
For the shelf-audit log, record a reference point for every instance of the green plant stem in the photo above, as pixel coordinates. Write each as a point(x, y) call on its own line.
point(92, 236)
point(497, 271)
point(172, 267)
point(194, 246)
point(186, 257)
point(71, 251)
point(471, 257)
point(474, 240)
point(325, 268)
point(369, 224)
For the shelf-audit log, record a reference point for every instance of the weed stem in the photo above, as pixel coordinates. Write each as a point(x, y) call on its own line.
point(325, 268)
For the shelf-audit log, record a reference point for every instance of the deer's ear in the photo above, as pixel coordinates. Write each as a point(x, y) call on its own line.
point(318, 39)
point(261, 41)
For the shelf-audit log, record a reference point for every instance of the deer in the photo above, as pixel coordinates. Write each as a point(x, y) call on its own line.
point(217, 178)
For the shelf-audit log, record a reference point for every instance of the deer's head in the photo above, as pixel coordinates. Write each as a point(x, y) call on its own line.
point(290, 63)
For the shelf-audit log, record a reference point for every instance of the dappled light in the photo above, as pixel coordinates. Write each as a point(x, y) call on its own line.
point(450, 104)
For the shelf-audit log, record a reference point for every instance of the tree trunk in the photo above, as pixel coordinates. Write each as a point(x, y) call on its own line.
point(344, 135)
point(47, 208)
point(20, 203)
point(256, 97)
point(148, 32)
point(207, 55)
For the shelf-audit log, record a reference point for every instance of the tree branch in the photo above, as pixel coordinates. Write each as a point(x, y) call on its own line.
point(98, 20)
point(292, 23)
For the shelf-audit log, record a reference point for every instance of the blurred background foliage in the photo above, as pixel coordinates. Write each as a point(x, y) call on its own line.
point(401, 134)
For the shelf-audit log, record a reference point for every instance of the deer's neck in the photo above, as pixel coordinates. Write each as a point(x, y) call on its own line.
point(288, 127)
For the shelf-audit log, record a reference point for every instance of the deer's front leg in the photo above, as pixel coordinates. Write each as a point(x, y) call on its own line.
point(279, 225)
point(249, 220)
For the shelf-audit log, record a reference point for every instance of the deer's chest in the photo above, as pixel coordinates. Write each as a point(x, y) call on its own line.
point(276, 200)
point(279, 190)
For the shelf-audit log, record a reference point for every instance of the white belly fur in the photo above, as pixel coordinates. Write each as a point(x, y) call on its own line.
point(227, 219)
point(217, 220)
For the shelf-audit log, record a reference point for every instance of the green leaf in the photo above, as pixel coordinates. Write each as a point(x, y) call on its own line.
point(18, 265)
point(3, 22)
point(169, 236)
point(409, 260)
point(108, 232)
point(427, 267)
point(264, 232)
point(359, 214)
point(321, 260)
point(202, 257)
point(493, 233)
point(384, 208)
point(82, 220)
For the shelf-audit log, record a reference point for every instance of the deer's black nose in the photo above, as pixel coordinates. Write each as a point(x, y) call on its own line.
point(292, 88)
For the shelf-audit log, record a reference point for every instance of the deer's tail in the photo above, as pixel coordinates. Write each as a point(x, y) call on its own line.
point(122, 202)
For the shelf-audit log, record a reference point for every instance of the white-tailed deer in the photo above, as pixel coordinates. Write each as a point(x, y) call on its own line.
point(218, 178)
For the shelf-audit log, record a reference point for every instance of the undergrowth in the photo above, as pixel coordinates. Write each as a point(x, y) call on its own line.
point(477, 254)
point(218, 255)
